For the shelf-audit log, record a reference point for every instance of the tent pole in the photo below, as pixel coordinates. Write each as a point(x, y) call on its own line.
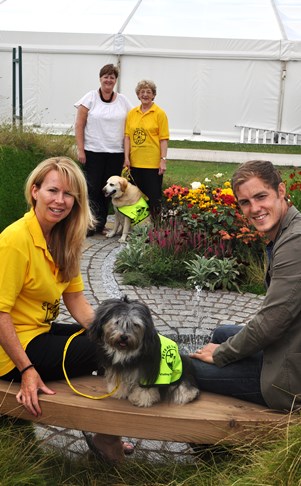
point(129, 17)
point(119, 70)
point(17, 79)
point(120, 31)
point(281, 97)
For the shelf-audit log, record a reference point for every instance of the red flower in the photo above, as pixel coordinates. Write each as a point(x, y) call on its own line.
point(227, 199)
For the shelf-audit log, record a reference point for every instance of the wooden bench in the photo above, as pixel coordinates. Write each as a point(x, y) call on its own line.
point(209, 420)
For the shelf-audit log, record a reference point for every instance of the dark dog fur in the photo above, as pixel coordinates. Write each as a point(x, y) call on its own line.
point(130, 353)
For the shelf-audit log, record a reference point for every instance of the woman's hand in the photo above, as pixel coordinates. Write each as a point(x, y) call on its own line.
point(80, 125)
point(81, 155)
point(162, 167)
point(31, 386)
point(206, 353)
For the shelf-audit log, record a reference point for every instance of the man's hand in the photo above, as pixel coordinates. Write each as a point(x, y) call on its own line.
point(206, 353)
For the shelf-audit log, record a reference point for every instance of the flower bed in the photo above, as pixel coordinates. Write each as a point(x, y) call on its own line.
point(209, 213)
point(201, 239)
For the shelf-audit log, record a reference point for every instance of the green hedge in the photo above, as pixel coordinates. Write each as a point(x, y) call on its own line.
point(15, 165)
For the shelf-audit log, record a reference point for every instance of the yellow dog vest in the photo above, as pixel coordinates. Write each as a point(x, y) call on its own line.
point(136, 212)
point(171, 364)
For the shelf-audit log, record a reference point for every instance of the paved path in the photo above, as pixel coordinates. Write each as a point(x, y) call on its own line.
point(182, 314)
point(236, 157)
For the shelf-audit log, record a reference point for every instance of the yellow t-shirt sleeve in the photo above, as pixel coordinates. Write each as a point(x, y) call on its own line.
point(14, 266)
point(75, 285)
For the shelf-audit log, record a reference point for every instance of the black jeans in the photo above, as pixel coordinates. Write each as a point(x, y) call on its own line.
point(240, 379)
point(97, 169)
point(46, 353)
point(150, 183)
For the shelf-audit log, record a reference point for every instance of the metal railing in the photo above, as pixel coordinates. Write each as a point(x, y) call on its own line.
point(265, 136)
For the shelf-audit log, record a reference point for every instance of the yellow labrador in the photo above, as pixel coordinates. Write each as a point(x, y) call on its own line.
point(129, 205)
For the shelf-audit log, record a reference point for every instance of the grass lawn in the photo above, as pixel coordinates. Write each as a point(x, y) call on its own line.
point(184, 172)
point(237, 147)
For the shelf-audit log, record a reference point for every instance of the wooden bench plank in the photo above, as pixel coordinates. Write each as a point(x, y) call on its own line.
point(210, 419)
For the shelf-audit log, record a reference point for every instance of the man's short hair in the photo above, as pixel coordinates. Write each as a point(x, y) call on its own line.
point(263, 169)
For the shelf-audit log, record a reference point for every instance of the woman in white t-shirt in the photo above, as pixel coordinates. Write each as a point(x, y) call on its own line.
point(99, 132)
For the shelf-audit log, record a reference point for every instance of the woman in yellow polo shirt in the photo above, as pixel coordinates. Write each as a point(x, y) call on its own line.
point(40, 263)
point(145, 144)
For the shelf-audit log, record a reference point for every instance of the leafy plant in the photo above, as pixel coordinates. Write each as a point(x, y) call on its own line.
point(212, 273)
point(134, 254)
point(154, 257)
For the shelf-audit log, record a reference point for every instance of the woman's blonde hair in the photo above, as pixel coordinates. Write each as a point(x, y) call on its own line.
point(67, 236)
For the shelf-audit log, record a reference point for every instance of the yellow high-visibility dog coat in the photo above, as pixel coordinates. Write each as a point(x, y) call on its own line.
point(171, 364)
point(136, 212)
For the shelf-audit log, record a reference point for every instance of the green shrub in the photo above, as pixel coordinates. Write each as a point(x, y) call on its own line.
point(132, 256)
point(15, 165)
point(213, 273)
point(20, 152)
point(43, 145)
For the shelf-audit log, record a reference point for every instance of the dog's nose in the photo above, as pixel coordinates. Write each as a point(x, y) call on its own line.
point(123, 338)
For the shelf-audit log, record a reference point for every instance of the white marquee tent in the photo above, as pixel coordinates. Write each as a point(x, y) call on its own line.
point(218, 64)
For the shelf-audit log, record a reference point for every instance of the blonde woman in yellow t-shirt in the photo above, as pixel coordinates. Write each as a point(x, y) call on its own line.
point(145, 144)
point(40, 263)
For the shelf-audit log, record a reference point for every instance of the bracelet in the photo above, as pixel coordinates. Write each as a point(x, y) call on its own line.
point(26, 368)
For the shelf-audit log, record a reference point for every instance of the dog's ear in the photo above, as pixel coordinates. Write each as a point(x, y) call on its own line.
point(103, 314)
point(151, 355)
point(123, 184)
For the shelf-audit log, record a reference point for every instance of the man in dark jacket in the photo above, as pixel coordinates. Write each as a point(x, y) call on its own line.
point(261, 361)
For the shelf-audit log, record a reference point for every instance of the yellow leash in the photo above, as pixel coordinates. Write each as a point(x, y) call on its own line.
point(66, 376)
point(126, 173)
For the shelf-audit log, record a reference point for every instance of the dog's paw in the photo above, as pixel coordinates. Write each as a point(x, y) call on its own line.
point(144, 397)
point(184, 393)
point(121, 392)
point(110, 234)
point(123, 239)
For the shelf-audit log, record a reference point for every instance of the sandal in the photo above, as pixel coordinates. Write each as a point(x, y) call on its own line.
point(96, 452)
point(128, 448)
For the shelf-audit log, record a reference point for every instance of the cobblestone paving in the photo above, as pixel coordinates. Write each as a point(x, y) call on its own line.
point(186, 315)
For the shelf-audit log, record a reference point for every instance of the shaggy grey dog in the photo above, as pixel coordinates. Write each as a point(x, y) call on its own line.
point(145, 366)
